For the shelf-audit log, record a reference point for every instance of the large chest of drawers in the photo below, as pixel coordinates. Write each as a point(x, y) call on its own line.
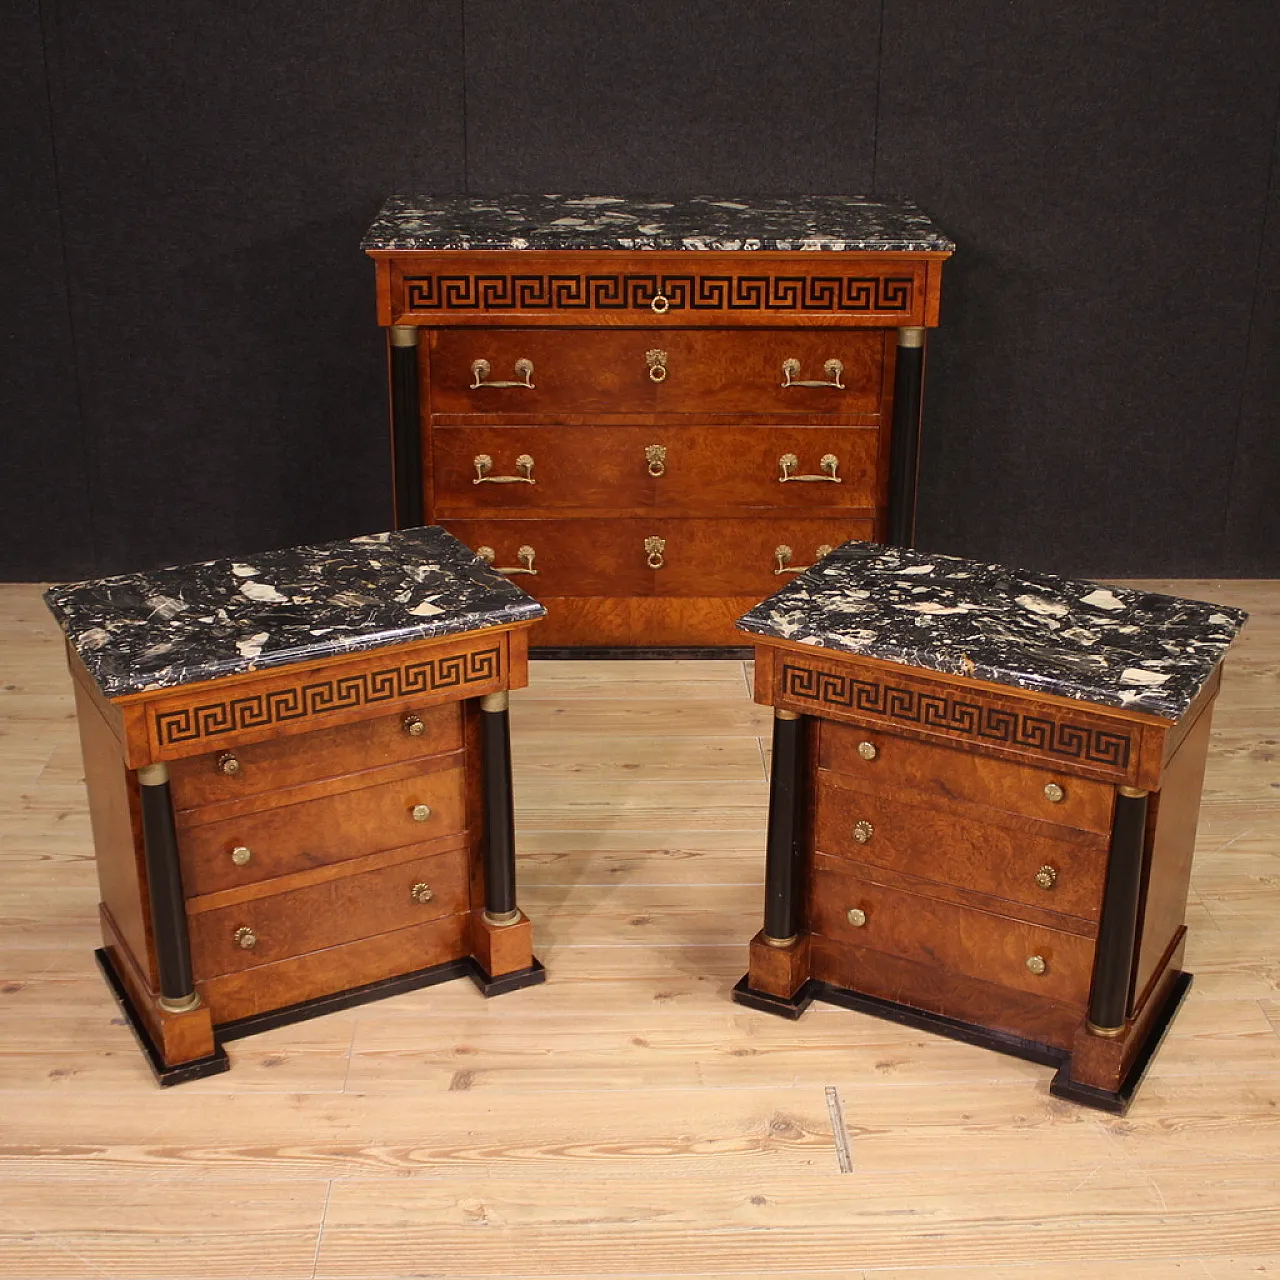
point(299, 783)
point(653, 413)
point(985, 790)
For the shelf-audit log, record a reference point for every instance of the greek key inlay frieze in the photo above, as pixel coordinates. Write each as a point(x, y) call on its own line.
point(952, 714)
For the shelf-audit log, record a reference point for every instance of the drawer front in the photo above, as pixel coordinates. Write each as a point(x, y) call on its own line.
point(961, 850)
point(296, 837)
point(658, 556)
point(296, 923)
point(496, 470)
point(946, 773)
point(327, 753)
point(940, 935)
point(538, 373)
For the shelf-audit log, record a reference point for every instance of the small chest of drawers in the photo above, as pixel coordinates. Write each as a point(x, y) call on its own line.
point(983, 805)
point(299, 781)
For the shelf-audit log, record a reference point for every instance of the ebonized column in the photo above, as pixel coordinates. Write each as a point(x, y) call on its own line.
point(406, 428)
point(782, 854)
point(164, 888)
point(905, 452)
point(1118, 928)
point(499, 813)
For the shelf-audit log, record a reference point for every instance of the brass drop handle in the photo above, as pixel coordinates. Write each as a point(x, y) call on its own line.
point(833, 369)
point(863, 831)
point(867, 750)
point(484, 464)
point(856, 917)
point(1053, 793)
point(657, 362)
point(782, 554)
point(660, 305)
point(421, 892)
point(420, 812)
point(480, 375)
point(525, 555)
point(653, 549)
point(413, 726)
point(829, 463)
point(1036, 965)
point(228, 764)
point(241, 855)
point(656, 456)
point(1047, 876)
point(246, 939)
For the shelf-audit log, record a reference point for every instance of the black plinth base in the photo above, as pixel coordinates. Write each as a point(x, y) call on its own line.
point(213, 1065)
point(1031, 1050)
point(591, 652)
point(491, 986)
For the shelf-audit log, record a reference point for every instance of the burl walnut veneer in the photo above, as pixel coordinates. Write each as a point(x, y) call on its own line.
point(299, 783)
point(654, 411)
point(983, 805)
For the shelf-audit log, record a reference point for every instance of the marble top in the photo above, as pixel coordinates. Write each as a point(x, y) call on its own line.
point(839, 223)
point(178, 626)
point(1113, 646)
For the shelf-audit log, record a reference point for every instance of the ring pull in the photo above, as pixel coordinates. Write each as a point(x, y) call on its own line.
point(525, 555)
point(833, 369)
point(782, 554)
point(660, 305)
point(653, 549)
point(657, 362)
point(480, 374)
point(656, 456)
point(484, 464)
point(829, 463)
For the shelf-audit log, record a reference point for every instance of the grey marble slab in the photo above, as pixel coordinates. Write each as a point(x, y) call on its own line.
point(170, 627)
point(1113, 646)
point(837, 223)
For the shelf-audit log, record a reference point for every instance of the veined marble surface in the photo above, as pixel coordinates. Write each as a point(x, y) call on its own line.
point(178, 626)
point(837, 223)
point(1108, 645)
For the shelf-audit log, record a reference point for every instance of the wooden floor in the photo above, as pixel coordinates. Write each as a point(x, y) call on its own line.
point(627, 1119)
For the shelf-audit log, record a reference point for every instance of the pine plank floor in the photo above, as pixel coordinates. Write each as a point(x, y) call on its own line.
point(626, 1119)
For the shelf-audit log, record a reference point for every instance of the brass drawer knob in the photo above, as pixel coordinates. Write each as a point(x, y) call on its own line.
point(420, 812)
point(480, 370)
point(856, 917)
point(228, 764)
point(1047, 877)
point(656, 456)
point(1036, 965)
point(1053, 793)
point(241, 855)
point(657, 362)
point(413, 726)
point(863, 831)
point(653, 549)
point(833, 369)
point(246, 939)
point(421, 892)
point(867, 750)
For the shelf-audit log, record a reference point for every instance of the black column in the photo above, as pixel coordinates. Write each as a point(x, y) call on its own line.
point(1118, 928)
point(905, 453)
point(499, 814)
point(782, 854)
point(406, 437)
point(164, 888)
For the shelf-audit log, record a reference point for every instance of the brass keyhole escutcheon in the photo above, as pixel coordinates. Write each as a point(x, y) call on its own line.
point(1036, 965)
point(228, 764)
point(863, 831)
point(421, 892)
point(420, 812)
point(867, 750)
point(246, 939)
point(1053, 793)
point(856, 917)
point(241, 854)
point(413, 726)
point(1047, 877)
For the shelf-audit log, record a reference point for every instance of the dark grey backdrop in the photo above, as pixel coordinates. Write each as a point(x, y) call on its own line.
point(193, 367)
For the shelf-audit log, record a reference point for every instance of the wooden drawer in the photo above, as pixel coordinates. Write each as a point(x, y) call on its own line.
point(325, 753)
point(613, 371)
point(698, 558)
point(317, 832)
point(612, 469)
point(904, 766)
point(955, 847)
point(949, 938)
point(324, 915)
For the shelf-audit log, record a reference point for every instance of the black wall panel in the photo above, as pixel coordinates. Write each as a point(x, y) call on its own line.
point(45, 522)
point(1104, 170)
point(219, 165)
